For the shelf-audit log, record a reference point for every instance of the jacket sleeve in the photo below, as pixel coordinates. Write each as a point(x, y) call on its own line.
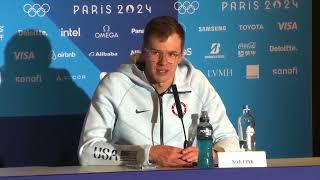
point(224, 134)
point(96, 146)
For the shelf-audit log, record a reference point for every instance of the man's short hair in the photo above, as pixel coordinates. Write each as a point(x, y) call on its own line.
point(162, 27)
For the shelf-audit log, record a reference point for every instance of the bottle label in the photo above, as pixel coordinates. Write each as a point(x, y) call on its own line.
point(204, 133)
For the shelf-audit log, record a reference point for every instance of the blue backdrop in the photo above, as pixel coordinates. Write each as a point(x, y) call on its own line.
point(53, 53)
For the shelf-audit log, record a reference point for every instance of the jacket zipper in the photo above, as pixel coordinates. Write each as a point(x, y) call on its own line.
point(161, 119)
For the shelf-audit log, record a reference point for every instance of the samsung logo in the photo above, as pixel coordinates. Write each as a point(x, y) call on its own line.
point(212, 28)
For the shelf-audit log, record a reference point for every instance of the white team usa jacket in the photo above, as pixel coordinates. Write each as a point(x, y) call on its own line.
point(123, 120)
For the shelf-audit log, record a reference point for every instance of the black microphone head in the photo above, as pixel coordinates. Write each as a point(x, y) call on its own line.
point(177, 100)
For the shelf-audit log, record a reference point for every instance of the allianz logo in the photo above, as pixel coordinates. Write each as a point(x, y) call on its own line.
point(54, 56)
point(28, 33)
point(251, 27)
point(287, 26)
point(283, 48)
point(103, 54)
point(106, 33)
point(24, 55)
point(285, 71)
point(70, 32)
point(137, 31)
point(227, 72)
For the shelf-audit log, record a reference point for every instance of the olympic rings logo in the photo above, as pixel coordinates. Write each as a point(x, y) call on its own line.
point(186, 7)
point(36, 9)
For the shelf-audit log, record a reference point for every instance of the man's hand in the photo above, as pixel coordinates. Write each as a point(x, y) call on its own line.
point(168, 156)
point(190, 154)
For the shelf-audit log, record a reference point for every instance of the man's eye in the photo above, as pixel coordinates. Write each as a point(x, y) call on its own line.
point(155, 53)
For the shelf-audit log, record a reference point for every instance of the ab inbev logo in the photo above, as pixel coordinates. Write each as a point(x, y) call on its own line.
point(252, 71)
point(215, 52)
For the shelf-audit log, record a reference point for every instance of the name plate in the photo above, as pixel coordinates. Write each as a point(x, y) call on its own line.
point(242, 159)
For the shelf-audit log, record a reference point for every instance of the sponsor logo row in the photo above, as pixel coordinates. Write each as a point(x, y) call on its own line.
point(253, 72)
point(216, 51)
point(39, 78)
point(281, 26)
point(106, 32)
point(250, 72)
point(184, 7)
point(247, 49)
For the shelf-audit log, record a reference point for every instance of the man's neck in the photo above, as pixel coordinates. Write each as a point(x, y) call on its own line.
point(161, 87)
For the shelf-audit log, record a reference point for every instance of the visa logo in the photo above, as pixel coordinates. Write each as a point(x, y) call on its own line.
point(287, 26)
point(24, 55)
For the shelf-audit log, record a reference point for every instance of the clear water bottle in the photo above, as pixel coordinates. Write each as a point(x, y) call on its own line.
point(247, 130)
point(204, 138)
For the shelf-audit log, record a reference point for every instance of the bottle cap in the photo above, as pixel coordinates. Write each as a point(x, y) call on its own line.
point(204, 116)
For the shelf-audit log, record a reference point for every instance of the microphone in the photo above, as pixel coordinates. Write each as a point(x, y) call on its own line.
point(180, 114)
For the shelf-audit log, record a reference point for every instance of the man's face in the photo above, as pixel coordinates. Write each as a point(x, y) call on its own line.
point(161, 59)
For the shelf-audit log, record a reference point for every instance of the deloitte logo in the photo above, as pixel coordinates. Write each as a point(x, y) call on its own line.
point(215, 52)
point(30, 33)
point(283, 48)
point(106, 34)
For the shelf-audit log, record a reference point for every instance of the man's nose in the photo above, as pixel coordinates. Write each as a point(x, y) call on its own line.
point(163, 59)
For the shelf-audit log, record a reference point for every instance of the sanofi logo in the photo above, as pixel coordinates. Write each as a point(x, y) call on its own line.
point(36, 9)
point(285, 71)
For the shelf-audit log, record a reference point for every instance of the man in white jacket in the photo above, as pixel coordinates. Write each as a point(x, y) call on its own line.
point(133, 118)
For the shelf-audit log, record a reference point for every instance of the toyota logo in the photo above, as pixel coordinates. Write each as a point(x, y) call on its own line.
point(186, 7)
point(36, 9)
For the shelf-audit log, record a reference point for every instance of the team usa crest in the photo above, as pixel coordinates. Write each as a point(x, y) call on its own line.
point(183, 107)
